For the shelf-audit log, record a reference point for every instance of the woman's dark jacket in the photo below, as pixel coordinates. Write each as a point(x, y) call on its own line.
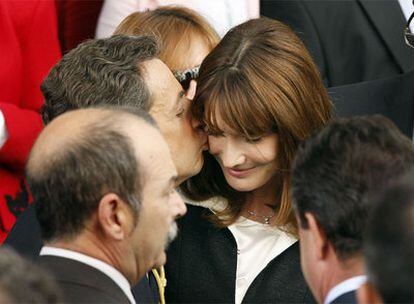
point(201, 267)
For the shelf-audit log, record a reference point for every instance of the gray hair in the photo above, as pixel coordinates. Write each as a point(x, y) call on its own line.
point(100, 71)
point(68, 185)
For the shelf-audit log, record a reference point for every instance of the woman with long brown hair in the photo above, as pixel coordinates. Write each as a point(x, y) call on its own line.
point(259, 94)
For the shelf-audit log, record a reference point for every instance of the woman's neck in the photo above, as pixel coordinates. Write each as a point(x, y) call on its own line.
point(264, 200)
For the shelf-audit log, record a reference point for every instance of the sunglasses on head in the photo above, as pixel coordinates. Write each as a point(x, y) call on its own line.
point(408, 36)
point(185, 77)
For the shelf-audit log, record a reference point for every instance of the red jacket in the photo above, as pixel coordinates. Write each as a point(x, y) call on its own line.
point(29, 47)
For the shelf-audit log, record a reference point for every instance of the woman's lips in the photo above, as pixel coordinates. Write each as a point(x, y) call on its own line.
point(239, 173)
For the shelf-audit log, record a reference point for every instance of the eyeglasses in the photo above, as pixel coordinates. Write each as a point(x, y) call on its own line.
point(185, 77)
point(408, 36)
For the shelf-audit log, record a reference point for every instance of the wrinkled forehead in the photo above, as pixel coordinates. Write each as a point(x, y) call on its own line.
point(152, 152)
point(158, 77)
point(164, 88)
point(159, 174)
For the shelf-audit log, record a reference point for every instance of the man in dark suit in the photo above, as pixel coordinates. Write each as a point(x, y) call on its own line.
point(389, 246)
point(119, 71)
point(350, 40)
point(104, 185)
point(334, 174)
point(392, 97)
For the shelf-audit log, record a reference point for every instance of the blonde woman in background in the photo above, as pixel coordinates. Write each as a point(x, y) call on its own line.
point(185, 37)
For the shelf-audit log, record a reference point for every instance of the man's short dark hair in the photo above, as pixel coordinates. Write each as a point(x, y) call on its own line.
point(100, 71)
point(336, 170)
point(23, 282)
point(389, 244)
point(68, 187)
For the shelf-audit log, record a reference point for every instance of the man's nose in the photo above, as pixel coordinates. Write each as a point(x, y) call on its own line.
point(178, 206)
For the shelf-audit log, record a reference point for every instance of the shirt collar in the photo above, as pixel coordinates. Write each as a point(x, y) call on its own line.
point(344, 287)
point(107, 269)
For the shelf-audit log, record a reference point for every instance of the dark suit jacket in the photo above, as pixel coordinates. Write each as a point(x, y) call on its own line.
point(202, 261)
point(346, 298)
point(81, 283)
point(352, 40)
point(25, 238)
point(392, 97)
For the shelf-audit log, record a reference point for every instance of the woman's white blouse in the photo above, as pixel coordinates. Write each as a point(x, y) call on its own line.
point(257, 245)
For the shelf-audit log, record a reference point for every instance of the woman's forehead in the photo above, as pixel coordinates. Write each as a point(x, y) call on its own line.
point(225, 124)
point(220, 115)
point(217, 121)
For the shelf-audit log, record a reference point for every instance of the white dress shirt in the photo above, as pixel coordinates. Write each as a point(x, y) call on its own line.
point(107, 269)
point(3, 130)
point(257, 245)
point(344, 287)
point(407, 8)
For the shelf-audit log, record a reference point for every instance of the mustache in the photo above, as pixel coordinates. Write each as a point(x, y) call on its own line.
point(172, 234)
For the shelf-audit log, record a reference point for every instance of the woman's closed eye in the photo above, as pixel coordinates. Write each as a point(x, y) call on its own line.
point(214, 133)
point(253, 139)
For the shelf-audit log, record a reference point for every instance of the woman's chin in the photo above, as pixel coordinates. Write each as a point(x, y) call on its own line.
point(241, 185)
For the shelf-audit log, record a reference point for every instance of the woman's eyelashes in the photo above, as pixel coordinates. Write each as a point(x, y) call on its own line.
point(253, 139)
point(217, 133)
point(210, 132)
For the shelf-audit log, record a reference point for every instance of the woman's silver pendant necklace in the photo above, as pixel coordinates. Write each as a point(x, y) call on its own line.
point(264, 218)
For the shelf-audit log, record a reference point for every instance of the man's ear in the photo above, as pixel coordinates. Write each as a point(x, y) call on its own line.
point(367, 294)
point(114, 216)
point(318, 236)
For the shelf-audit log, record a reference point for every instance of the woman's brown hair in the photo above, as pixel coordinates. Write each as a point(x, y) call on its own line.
point(260, 79)
point(174, 26)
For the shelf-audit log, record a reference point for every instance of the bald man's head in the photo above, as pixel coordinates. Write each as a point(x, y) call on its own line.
point(78, 158)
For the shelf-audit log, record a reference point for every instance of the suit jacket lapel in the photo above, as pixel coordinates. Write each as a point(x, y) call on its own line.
point(389, 21)
point(146, 291)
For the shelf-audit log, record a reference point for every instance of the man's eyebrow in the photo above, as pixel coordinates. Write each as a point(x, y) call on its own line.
point(170, 184)
point(173, 179)
point(180, 99)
